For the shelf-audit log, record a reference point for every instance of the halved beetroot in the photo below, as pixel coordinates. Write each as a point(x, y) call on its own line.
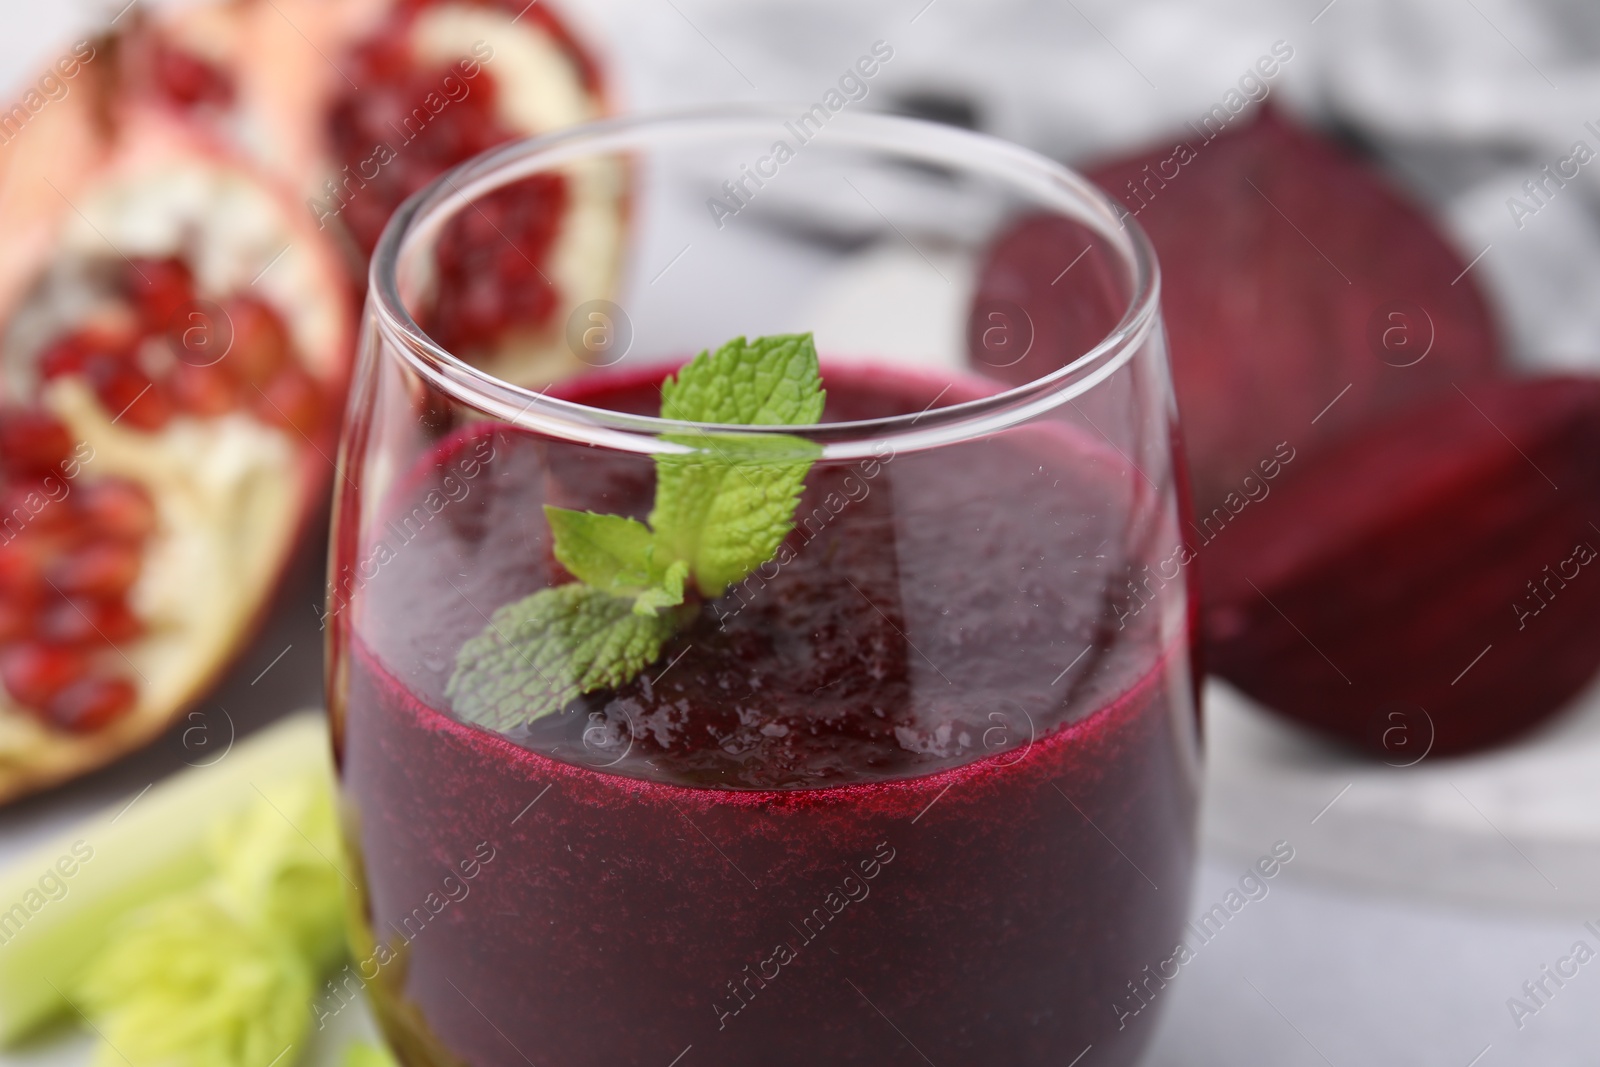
point(1303, 295)
point(1446, 559)
point(176, 337)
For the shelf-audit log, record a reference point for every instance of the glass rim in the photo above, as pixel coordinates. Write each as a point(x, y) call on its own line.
point(1066, 191)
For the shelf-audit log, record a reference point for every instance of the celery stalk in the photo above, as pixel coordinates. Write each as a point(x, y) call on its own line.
point(53, 922)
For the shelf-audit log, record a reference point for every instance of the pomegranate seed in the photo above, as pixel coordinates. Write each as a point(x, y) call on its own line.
point(117, 508)
point(204, 391)
point(71, 354)
point(82, 621)
point(488, 284)
point(31, 505)
point(32, 441)
point(101, 569)
point(292, 400)
point(128, 394)
point(260, 343)
point(21, 566)
point(14, 620)
point(33, 672)
point(91, 703)
point(387, 59)
point(189, 80)
point(485, 287)
point(159, 289)
point(62, 356)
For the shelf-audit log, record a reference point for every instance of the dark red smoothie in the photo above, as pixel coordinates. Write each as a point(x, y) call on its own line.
point(915, 792)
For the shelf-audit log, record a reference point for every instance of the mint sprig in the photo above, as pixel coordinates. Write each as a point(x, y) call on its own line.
point(722, 508)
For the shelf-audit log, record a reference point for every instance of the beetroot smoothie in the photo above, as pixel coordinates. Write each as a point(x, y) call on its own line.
point(920, 790)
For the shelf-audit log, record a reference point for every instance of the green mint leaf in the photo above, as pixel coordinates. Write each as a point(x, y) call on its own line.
point(771, 381)
point(722, 509)
point(666, 595)
point(539, 653)
point(728, 506)
point(617, 555)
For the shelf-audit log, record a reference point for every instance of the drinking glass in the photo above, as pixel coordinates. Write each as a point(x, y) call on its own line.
point(920, 788)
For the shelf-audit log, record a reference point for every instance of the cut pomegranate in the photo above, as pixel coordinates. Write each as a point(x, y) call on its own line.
point(165, 439)
point(437, 78)
point(362, 103)
point(1445, 559)
point(170, 412)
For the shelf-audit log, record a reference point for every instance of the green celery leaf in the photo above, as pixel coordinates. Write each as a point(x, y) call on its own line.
point(281, 857)
point(368, 1055)
point(221, 975)
point(539, 653)
point(194, 981)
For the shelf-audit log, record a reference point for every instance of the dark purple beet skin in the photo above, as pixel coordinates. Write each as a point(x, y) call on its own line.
point(914, 797)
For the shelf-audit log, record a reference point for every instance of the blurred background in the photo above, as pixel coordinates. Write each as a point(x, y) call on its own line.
point(1421, 898)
